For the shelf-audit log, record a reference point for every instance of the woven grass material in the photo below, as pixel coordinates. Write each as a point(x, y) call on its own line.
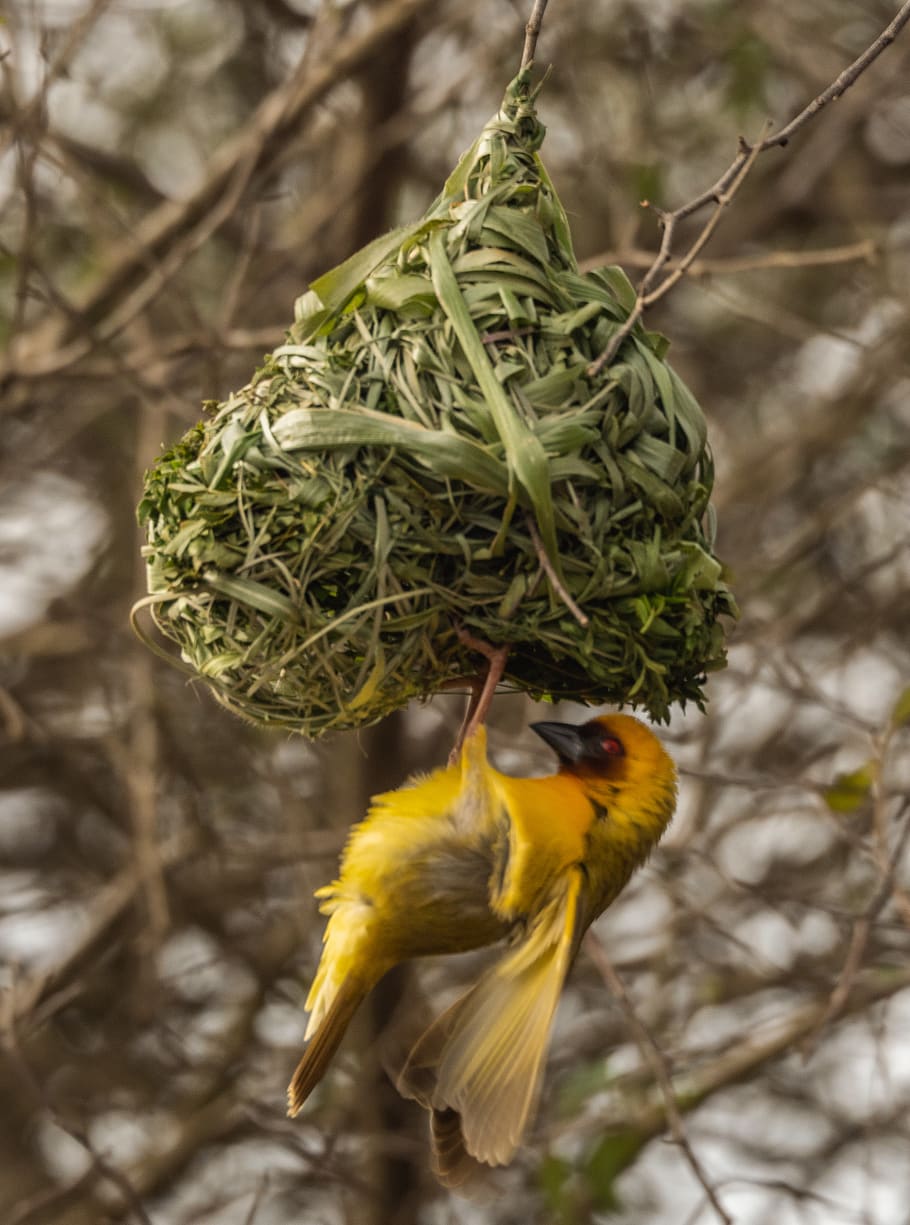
point(315, 541)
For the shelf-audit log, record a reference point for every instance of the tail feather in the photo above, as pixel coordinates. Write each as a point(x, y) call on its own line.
point(453, 1165)
point(324, 1043)
point(479, 1067)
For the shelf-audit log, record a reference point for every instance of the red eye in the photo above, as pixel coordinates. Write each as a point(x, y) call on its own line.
point(611, 745)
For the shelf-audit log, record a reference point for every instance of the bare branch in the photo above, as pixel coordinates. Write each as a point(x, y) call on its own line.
point(847, 78)
point(864, 251)
point(147, 259)
point(532, 32)
point(726, 187)
point(859, 939)
point(655, 1059)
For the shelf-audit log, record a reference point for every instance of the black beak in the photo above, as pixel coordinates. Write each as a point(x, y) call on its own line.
point(563, 738)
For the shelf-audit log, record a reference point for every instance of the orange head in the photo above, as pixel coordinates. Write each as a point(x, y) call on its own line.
point(618, 749)
point(629, 780)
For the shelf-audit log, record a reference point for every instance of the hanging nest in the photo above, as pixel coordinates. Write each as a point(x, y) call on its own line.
point(428, 450)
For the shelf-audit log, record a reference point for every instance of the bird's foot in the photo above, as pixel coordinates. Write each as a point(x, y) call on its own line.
point(483, 687)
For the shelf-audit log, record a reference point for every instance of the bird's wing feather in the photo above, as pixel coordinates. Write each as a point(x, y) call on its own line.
point(484, 1058)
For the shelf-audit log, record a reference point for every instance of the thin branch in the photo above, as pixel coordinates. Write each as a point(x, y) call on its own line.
point(728, 184)
point(741, 1059)
point(33, 1000)
point(865, 251)
point(532, 32)
point(250, 154)
point(859, 939)
point(845, 80)
point(723, 199)
point(654, 1057)
point(75, 39)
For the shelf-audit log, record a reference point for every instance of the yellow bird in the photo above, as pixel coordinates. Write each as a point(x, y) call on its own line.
point(465, 857)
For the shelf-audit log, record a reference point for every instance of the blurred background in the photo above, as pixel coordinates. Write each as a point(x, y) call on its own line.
point(172, 173)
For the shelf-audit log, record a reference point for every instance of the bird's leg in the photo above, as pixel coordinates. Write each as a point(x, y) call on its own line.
point(483, 688)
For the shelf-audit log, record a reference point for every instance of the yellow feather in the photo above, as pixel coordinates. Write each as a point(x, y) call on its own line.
point(465, 857)
point(486, 1055)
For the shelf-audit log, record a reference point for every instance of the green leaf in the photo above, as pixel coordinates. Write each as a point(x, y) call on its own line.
point(559, 220)
point(179, 542)
point(312, 429)
point(525, 454)
point(394, 292)
point(553, 1176)
point(256, 595)
point(494, 262)
point(621, 286)
point(850, 791)
point(520, 230)
point(614, 1154)
point(334, 288)
point(900, 715)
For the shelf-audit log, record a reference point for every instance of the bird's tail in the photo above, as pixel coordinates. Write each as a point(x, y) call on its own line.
point(478, 1068)
point(324, 1042)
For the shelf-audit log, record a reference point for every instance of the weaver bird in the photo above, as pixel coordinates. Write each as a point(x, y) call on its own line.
point(466, 857)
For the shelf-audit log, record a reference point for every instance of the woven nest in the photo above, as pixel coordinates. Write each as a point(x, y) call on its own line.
point(428, 450)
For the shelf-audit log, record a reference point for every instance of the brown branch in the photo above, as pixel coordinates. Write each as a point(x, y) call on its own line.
point(726, 186)
point(137, 270)
point(847, 78)
point(654, 1057)
point(866, 251)
point(32, 1001)
point(859, 939)
point(72, 44)
point(532, 32)
point(744, 1056)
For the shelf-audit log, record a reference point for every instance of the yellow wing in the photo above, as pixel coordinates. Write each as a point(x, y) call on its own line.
point(484, 1058)
point(379, 895)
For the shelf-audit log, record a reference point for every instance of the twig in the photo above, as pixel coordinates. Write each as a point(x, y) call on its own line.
point(551, 574)
point(532, 32)
point(33, 1000)
point(116, 1177)
point(654, 1056)
point(252, 153)
point(77, 34)
point(859, 939)
point(847, 78)
point(741, 1059)
point(728, 266)
point(647, 296)
point(726, 186)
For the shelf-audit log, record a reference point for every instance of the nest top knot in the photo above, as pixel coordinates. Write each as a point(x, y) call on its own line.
point(428, 450)
point(518, 114)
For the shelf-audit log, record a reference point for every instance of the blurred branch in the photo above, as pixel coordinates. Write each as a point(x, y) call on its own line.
point(745, 1055)
point(34, 1000)
point(76, 35)
point(141, 268)
point(888, 864)
point(660, 1070)
point(865, 251)
point(720, 194)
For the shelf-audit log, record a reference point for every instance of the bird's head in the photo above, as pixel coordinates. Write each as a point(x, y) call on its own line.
point(616, 750)
point(629, 780)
